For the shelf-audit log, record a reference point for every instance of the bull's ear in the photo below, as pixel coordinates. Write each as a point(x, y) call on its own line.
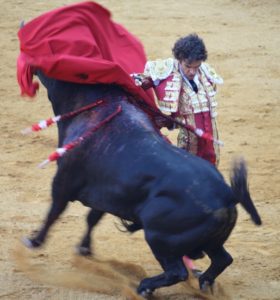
point(21, 24)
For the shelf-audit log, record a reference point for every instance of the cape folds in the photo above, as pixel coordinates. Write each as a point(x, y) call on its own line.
point(80, 43)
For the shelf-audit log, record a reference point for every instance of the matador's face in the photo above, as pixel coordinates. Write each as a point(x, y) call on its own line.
point(190, 69)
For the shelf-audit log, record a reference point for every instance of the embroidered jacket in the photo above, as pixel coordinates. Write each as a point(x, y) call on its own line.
point(170, 87)
point(175, 95)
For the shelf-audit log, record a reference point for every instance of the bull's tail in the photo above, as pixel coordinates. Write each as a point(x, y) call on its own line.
point(239, 185)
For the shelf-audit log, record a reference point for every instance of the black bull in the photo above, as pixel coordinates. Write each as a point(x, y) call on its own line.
point(127, 169)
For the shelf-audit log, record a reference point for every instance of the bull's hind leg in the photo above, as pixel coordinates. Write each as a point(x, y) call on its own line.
point(220, 260)
point(92, 219)
point(174, 272)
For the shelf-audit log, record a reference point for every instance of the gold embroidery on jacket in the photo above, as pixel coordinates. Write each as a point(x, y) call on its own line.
point(191, 103)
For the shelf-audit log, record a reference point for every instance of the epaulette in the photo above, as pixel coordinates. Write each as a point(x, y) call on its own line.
point(211, 74)
point(159, 69)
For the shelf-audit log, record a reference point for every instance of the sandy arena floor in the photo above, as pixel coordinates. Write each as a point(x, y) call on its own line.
point(243, 42)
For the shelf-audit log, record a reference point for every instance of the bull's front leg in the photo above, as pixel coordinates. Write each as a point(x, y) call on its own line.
point(220, 260)
point(93, 218)
point(58, 206)
point(174, 272)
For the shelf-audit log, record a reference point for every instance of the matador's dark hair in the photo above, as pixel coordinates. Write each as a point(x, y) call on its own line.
point(190, 47)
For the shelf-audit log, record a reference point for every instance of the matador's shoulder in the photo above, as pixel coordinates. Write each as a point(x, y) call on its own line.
point(211, 74)
point(159, 69)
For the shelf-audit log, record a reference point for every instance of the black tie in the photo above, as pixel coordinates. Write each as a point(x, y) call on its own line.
point(194, 86)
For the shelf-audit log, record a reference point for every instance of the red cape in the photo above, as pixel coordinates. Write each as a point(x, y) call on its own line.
point(80, 43)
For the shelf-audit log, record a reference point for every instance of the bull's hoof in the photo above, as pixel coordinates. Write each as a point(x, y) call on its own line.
point(84, 251)
point(143, 289)
point(146, 294)
point(206, 286)
point(196, 273)
point(31, 243)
